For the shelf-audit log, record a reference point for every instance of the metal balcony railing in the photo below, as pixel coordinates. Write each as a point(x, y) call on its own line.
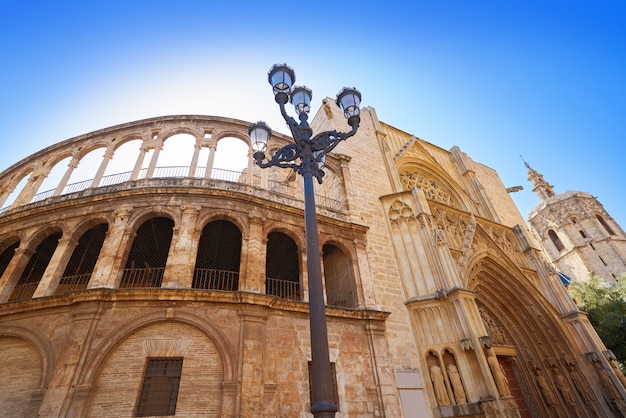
point(285, 289)
point(215, 279)
point(142, 277)
point(183, 172)
point(71, 283)
point(340, 299)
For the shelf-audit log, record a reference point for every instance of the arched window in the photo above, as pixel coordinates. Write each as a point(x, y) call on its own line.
point(35, 268)
point(556, 240)
point(219, 256)
point(148, 255)
point(282, 271)
point(6, 256)
point(605, 225)
point(78, 270)
point(338, 277)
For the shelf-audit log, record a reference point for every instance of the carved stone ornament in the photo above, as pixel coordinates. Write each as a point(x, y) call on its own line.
point(467, 344)
point(592, 356)
point(485, 341)
point(609, 355)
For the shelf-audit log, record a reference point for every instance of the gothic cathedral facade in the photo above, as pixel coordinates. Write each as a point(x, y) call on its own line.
point(192, 279)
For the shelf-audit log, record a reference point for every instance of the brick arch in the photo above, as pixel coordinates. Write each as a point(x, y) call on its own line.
point(40, 343)
point(202, 322)
point(205, 365)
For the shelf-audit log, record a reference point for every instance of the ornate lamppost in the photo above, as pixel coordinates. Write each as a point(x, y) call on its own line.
point(306, 156)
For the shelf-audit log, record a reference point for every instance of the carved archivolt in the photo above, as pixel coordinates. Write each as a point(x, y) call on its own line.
point(495, 330)
point(432, 190)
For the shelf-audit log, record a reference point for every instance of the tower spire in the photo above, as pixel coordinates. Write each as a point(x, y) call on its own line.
point(542, 188)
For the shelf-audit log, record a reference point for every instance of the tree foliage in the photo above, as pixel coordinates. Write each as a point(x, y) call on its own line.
point(606, 308)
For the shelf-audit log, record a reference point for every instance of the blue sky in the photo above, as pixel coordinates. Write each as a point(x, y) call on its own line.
point(542, 79)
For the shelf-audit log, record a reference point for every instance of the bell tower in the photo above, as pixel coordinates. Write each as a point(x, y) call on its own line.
point(578, 235)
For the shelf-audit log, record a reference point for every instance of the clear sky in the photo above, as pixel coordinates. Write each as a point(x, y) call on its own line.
point(545, 79)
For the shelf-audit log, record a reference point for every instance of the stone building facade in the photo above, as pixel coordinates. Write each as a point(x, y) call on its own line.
point(577, 233)
point(193, 280)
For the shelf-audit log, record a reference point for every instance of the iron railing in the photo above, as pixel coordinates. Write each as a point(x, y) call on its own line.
point(142, 277)
point(285, 289)
point(215, 279)
point(71, 283)
point(340, 299)
point(183, 172)
point(24, 291)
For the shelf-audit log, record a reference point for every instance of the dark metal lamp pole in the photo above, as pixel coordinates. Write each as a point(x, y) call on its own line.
point(311, 153)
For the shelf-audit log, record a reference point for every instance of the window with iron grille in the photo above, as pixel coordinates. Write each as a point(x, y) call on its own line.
point(36, 267)
point(333, 373)
point(338, 277)
point(148, 254)
point(6, 256)
point(78, 270)
point(282, 271)
point(219, 257)
point(159, 390)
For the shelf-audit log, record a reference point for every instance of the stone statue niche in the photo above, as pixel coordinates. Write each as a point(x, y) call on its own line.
point(454, 377)
point(438, 379)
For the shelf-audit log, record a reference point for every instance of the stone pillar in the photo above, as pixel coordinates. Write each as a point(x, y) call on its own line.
point(64, 397)
point(181, 258)
point(194, 159)
point(6, 192)
point(51, 277)
point(363, 275)
point(139, 162)
point(251, 163)
point(108, 156)
point(14, 270)
point(209, 163)
point(346, 183)
point(252, 365)
point(109, 265)
point(254, 251)
point(70, 168)
point(154, 160)
point(34, 182)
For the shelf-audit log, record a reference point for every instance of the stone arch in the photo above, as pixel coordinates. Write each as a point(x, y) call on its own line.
point(339, 276)
point(532, 325)
point(40, 343)
point(148, 253)
point(148, 330)
point(283, 266)
point(218, 260)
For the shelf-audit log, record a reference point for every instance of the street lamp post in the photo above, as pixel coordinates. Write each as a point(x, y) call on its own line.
point(310, 151)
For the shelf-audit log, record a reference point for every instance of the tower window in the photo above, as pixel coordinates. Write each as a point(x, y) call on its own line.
point(159, 391)
point(582, 234)
point(592, 246)
point(603, 262)
point(605, 225)
point(556, 240)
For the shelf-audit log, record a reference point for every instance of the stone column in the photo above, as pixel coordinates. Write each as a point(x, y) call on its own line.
point(51, 277)
point(209, 163)
point(109, 265)
point(194, 159)
point(6, 192)
point(251, 163)
point(108, 156)
point(64, 396)
point(154, 160)
point(253, 257)
point(251, 361)
point(34, 182)
point(139, 162)
point(70, 168)
point(181, 258)
point(14, 270)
